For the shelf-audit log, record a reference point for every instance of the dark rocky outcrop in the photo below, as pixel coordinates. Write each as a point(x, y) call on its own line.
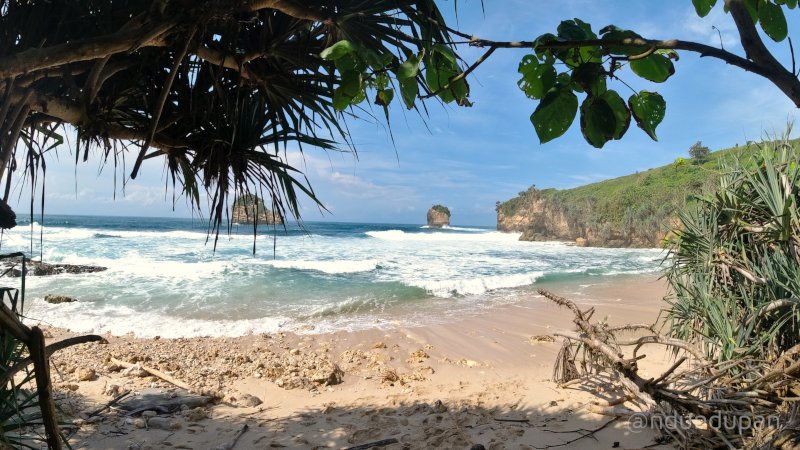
point(438, 216)
point(40, 269)
point(56, 299)
point(8, 218)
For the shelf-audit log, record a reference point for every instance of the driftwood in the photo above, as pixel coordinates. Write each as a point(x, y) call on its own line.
point(584, 433)
point(738, 391)
point(229, 446)
point(503, 419)
point(168, 378)
point(111, 403)
point(381, 443)
point(43, 387)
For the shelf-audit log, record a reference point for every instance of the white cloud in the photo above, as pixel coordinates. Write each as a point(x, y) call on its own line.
point(756, 110)
point(717, 28)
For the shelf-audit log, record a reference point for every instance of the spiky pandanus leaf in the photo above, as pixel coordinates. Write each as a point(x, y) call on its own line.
point(734, 264)
point(221, 90)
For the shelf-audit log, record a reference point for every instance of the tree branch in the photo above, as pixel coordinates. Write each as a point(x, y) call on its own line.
point(760, 61)
point(756, 51)
point(462, 75)
point(220, 59)
point(290, 8)
point(65, 111)
point(81, 50)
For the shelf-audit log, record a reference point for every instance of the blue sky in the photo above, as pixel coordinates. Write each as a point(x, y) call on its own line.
point(469, 158)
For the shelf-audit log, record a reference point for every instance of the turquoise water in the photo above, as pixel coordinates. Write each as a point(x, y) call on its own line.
point(165, 277)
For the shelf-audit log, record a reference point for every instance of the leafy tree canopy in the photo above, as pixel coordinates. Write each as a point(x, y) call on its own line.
point(699, 152)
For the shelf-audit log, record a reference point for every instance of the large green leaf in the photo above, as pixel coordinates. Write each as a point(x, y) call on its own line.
point(350, 91)
point(620, 111)
point(337, 50)
point(591, 77)
point(703, 7)
point(598, 122)
point(555, 113)
point(537, 78)
point(773, 21)
point(440, 68)
point(656, 68)
point(648, 109)
point(409, 91)
point(572, 31)
point(612, 33)
point(410, 68)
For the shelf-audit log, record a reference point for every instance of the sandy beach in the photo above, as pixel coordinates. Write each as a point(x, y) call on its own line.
point(483, 379)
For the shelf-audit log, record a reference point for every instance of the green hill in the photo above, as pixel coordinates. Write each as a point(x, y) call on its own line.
point(633, 210)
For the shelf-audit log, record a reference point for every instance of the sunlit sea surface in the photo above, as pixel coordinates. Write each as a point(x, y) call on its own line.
point(165, 278)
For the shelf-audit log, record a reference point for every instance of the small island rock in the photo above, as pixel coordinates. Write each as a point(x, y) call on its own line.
point(250, 209)
point(438, 216)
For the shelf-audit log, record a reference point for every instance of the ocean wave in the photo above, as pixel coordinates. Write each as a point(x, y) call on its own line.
point(331, 267)
point(86, 317)
point(476, 286)
point(352, 305)
point(472, 230)
point(484, 236)
point(448, 227)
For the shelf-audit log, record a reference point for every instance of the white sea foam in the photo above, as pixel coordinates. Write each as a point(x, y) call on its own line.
point(473, 230)
point(170, 283)
point(476, 286)
point(486, 236)
point(86, 318)
point(448, 227)
point(332, 267)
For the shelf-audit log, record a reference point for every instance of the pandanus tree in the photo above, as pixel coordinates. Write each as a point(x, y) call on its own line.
point(214, 88)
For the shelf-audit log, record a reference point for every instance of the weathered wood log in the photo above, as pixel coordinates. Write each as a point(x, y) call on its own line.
point(41, 369)
point(168, 378)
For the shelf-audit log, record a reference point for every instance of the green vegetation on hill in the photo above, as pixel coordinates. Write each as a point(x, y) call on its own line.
point(442, 209)
point(250, 200)
point(639, 204)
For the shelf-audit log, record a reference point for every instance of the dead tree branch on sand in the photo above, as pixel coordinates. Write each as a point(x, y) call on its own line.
point(740, 403)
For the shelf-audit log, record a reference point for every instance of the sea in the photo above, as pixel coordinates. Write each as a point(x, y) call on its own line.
point(167, 277)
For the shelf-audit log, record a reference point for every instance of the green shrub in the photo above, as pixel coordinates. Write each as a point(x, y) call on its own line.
point(734, 268)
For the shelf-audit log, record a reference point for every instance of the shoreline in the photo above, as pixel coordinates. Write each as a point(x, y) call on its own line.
point(428, 312)
point(483, 379)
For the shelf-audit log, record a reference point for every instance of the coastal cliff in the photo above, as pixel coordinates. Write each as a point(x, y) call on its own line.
point(542, 219)
point(636, 210)
point(438, 216)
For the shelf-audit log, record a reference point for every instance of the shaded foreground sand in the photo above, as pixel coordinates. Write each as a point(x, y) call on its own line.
point(476, 380)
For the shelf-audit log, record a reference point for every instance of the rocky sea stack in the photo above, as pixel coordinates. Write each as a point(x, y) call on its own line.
point(250, 209)
point(438, 216)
